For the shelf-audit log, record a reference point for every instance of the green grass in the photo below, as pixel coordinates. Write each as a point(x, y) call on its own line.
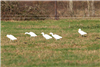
point(70, 51)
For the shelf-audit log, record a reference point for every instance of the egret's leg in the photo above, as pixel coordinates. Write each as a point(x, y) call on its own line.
point(30, 38)
point(10, 40)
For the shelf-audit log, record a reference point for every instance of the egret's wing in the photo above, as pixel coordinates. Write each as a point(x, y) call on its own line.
point(83, 32)
point(33, 34)
point(47, 36)
point(13, 37)
point(57, 36)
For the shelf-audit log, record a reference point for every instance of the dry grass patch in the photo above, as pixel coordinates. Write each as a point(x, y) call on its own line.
point(85, 52)
point(33, 26)
point(25, 27)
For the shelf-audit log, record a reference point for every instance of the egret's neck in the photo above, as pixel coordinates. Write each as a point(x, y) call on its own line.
point(26, 33)
point(79, 30)
point(42, 33)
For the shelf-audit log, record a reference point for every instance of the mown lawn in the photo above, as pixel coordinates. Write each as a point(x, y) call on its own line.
point(70, 51)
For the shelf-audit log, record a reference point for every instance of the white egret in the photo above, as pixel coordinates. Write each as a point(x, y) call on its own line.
point(81, 32)
point(11, 37)
point(55, 36)
point(31, 34)
point(46, 36)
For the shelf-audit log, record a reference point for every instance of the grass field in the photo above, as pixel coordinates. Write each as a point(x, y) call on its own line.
point(70, 51)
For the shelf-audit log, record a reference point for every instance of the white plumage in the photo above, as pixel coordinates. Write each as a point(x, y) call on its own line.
point(31, 34)
point(46, 36)
point(81, 32)
point(55, 36)
point(11, 37)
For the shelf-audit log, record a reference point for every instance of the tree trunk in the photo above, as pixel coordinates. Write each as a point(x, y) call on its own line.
point(71, 7)
point(88, 3)
point(92, 5)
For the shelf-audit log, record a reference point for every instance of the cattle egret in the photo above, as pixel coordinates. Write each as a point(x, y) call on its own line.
point(81, 32)
point(55, 36)
point(46, 36)
point(31, 34)
point(11, 37)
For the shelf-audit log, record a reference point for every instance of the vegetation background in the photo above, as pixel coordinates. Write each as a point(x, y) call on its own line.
point(35, 10)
